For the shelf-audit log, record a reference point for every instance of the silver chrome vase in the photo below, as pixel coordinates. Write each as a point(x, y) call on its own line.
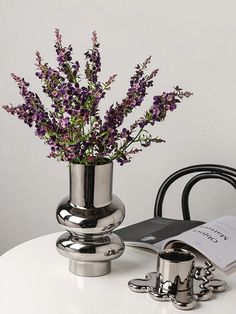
point(89, 215)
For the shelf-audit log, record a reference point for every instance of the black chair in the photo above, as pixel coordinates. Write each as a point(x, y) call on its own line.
point(205, 171)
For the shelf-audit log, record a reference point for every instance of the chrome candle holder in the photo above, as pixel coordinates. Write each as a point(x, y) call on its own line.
point(89, 215)
point(174, 280)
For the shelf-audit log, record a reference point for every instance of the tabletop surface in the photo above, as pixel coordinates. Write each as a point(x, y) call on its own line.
point(34, 279)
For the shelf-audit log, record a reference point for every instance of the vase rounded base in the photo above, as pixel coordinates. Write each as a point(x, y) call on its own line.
point(90, 256)
point(89, 269)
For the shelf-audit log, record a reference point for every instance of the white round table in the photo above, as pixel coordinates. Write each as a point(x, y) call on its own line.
point(34, 279)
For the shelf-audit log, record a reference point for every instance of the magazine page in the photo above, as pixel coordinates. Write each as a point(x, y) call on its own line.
point(150, 233)
point(215, 239)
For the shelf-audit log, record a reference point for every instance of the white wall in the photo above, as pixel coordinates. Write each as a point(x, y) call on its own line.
point(194, 45)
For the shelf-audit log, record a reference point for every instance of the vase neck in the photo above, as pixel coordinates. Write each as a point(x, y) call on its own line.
point(91, 186)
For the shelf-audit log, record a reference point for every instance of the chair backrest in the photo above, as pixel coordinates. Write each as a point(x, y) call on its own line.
point(206, 171)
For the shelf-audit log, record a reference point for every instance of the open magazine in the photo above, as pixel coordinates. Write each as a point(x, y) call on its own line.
point(215, 239)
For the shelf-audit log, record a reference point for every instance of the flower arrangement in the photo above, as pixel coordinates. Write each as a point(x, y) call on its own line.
point(73, 127)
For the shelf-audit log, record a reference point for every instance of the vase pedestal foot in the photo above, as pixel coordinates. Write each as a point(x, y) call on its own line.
point(89, 269)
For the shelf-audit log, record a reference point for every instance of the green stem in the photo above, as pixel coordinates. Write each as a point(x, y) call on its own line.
point(124, 147)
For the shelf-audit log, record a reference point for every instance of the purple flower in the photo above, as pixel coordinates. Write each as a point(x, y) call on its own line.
point(64, 122)
point(72, 126)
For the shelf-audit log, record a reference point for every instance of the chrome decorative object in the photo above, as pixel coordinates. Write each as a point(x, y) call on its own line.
point(176, 273)
point(89, 215)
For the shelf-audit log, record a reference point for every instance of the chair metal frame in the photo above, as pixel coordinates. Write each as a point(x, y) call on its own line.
point(207, 171)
